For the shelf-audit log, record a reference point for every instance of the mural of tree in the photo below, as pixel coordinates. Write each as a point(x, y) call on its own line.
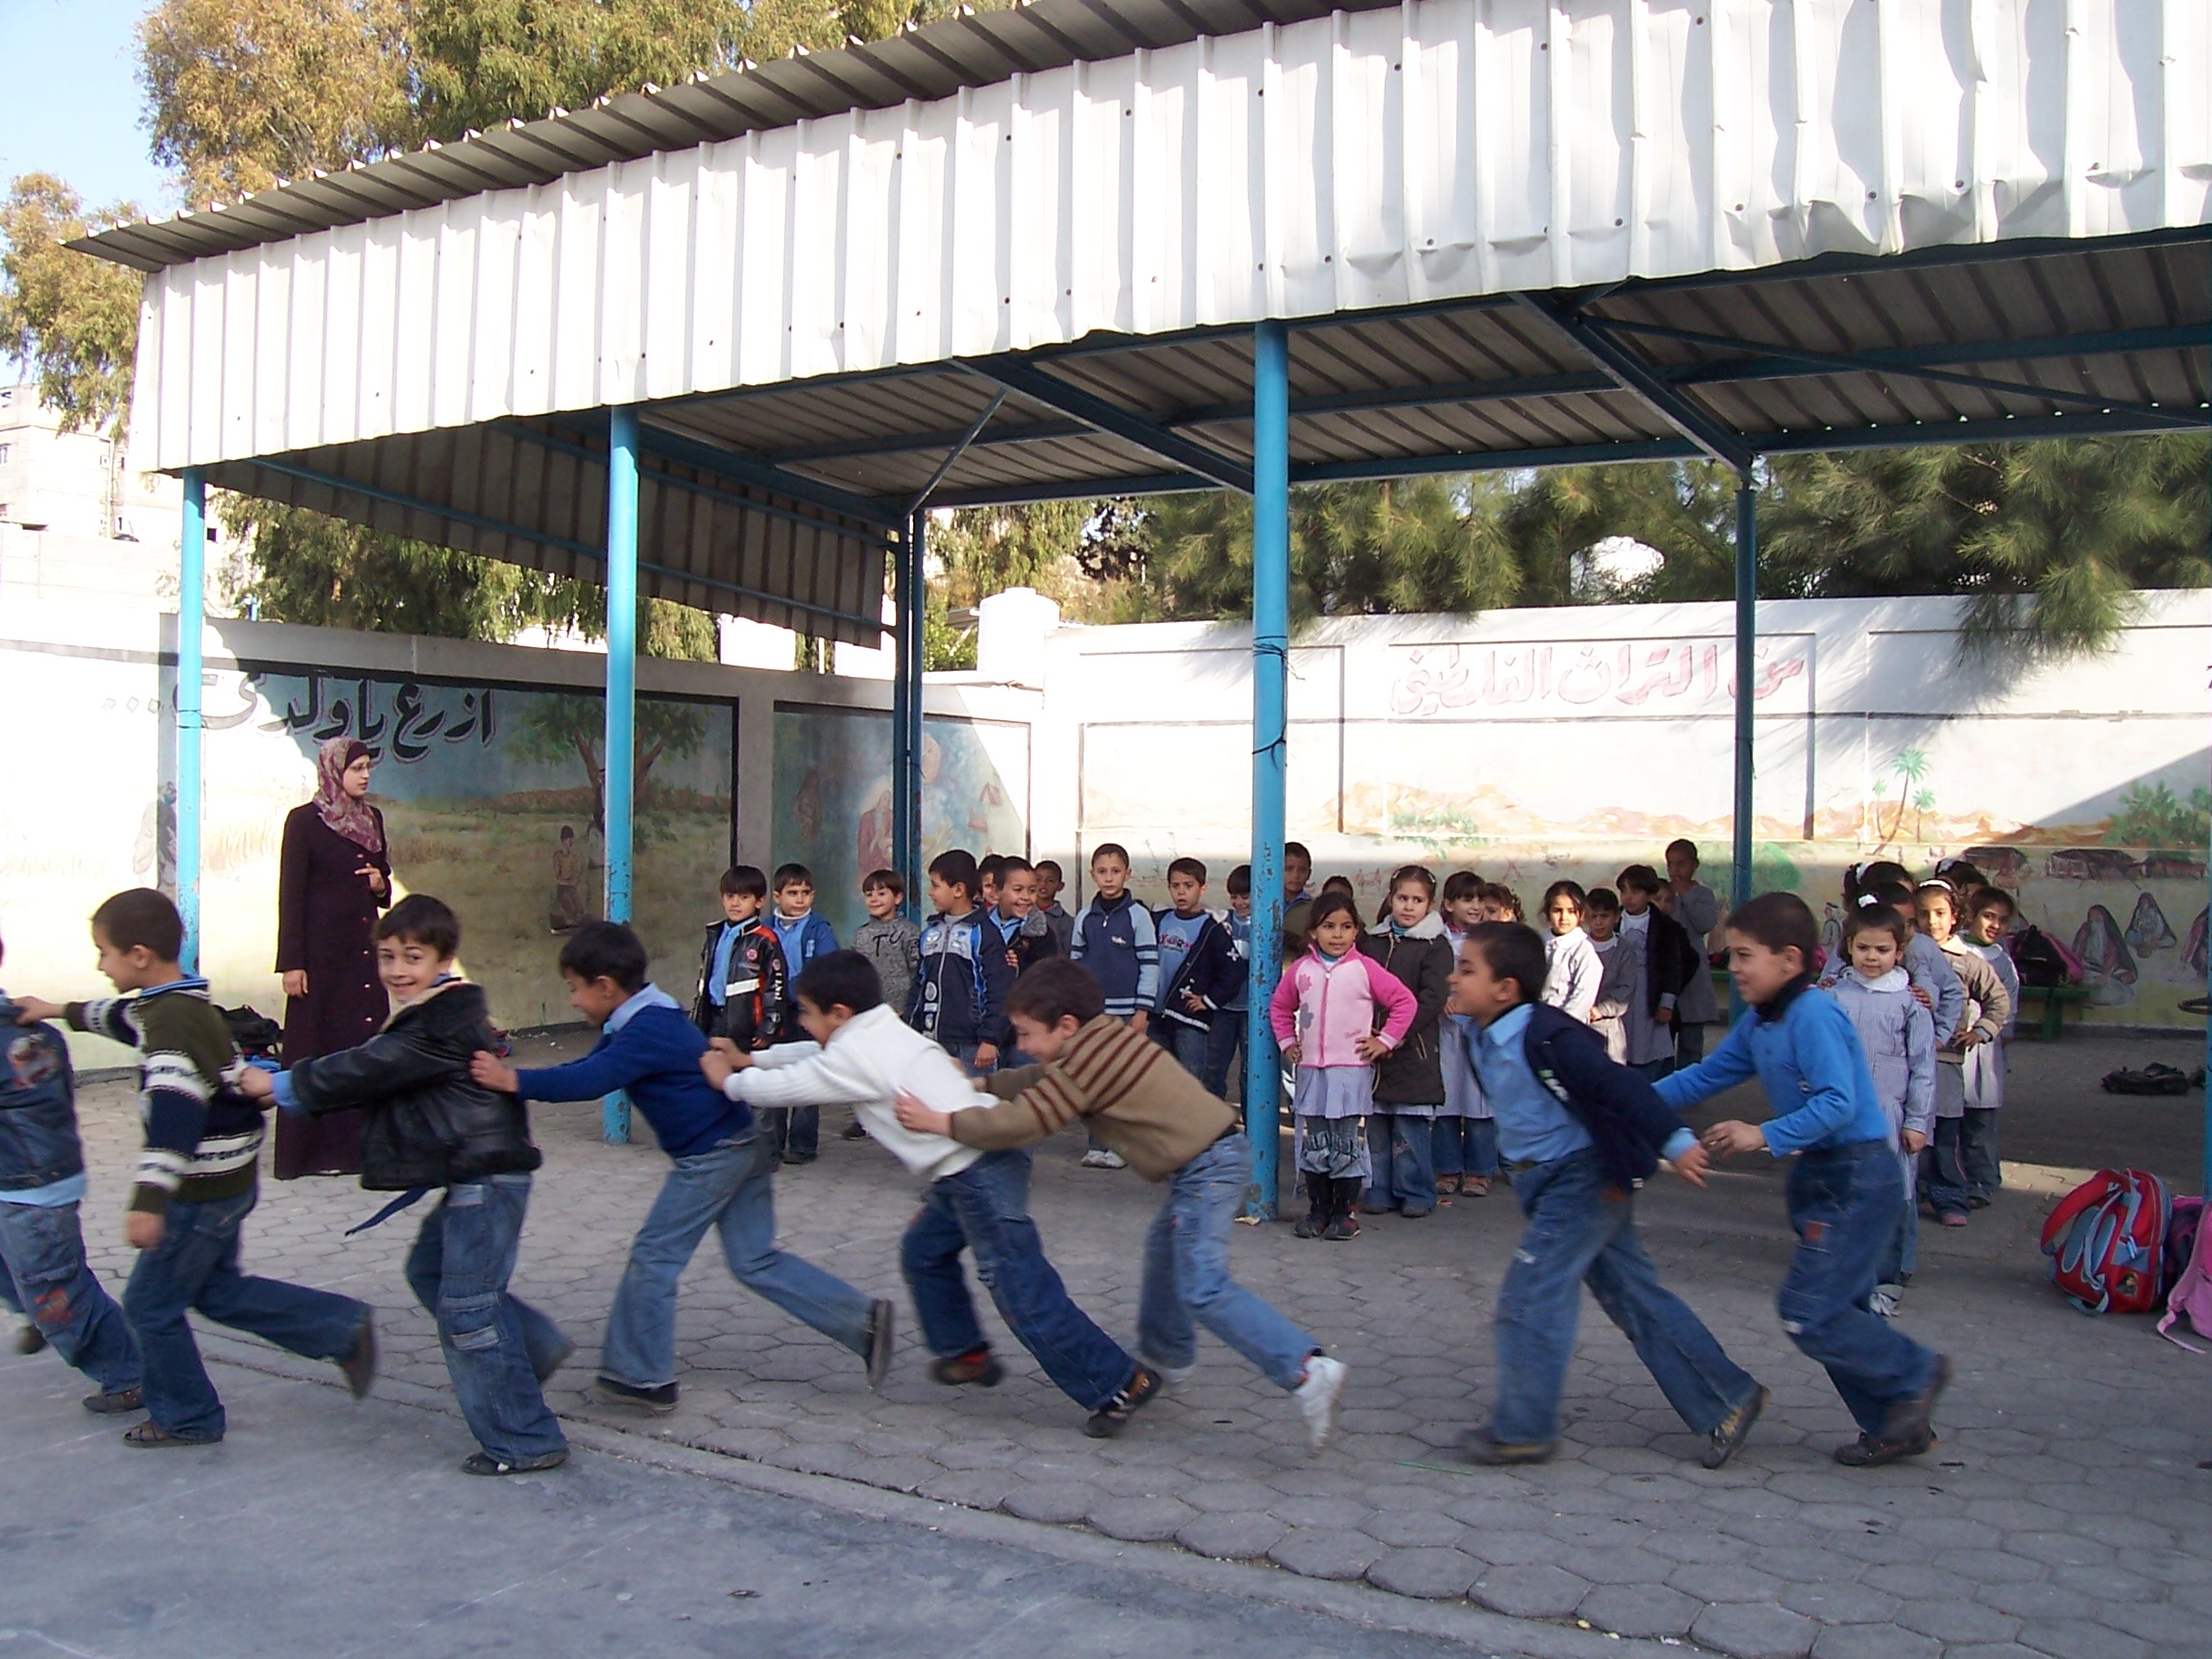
point(557, 728)
point(1909, 771)
point(2152, 815)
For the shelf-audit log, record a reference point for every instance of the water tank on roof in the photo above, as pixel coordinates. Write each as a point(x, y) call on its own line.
point(1011, 628)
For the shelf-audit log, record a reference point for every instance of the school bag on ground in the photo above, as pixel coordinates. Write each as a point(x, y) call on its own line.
point(2106, 1241)
point(2188, 1261)
point(2042, 961)
point(2155, 1078)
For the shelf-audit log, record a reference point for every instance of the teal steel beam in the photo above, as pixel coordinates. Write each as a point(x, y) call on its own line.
point(1224, 472)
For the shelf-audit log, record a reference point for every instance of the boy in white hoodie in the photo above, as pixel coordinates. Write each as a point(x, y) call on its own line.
point(864, 1056)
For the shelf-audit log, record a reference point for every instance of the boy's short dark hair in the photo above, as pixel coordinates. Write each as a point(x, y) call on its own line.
point(1890, 893)
point(1339, 885)
point(1193, 868)
point(1686, 848)
point(1053, 988)
point(1109, 850)
point(744, 881)
point(1874, 919)
point(1419, 874)
point(605, 951)
point(141, 916)
point(1601, 899)
point(887, 879)
point(1511, 951)
point(1780, 922)
point(956, 868)
point(793, 876)
point(1297, 849)
point(1640, 877)
point(989, 867)
point(840, 979)
point(1992, 898)
point(1014, 864)
point(1239, 881)
point(1053, 865)
point(421, 920)
point(1462, 885)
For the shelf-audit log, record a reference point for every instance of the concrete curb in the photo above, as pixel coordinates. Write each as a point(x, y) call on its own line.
point(1493, 1634)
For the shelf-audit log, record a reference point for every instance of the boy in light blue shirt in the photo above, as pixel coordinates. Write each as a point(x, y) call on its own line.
point(1844, 1190)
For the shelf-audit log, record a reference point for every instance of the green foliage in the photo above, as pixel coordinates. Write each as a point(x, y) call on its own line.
point(74, 321)
point(943, 646)
point(2153, 816)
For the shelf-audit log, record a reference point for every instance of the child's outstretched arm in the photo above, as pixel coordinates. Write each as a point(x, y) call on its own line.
point(1724, 1067)
point(599, 1073)
point(387, 1063)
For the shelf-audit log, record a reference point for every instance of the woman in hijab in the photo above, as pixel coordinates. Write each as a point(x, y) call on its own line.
point(335, 875)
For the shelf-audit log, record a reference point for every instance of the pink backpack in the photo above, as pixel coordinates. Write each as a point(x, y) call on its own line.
point(2189, 1261)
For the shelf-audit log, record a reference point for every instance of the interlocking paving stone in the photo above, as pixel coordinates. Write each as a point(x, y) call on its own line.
point(1873, 1642)
point(1326, 1552)
point(1530, 1592)
point(1437, 1574)
point(1231, 1537)
point(1639, 1610)
point(1755, 1631)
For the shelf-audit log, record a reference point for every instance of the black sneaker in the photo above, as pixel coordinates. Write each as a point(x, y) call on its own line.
point(980, 1367)
point(1912, 1420)
point(484, 1463)
point(1733, 1430)
point(360, 1365)
point(659, 1400)
point(854, 1131)
point(882, 1333)
point(1872, 1451)
point(1111, 1418)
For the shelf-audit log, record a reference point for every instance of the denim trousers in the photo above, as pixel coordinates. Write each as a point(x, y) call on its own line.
point(793, 1132)
point(1187, 1273)
point(1943, 1167)
point(45, 1277)
point(984, 1209)
point(1689, 1043)
point(1583, 1231)
point(1901, 1258)
point(1465, 1146)
point(1403, 1154)
point(1224, 1055)
point(731, 1188)
point(1978, 1152)
point(1189, 1044)
point(495, 1343)
point(1844, 1204)
point(195, 1268)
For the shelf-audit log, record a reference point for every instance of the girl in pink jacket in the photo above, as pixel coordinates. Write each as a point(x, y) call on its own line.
point(1335, 1012)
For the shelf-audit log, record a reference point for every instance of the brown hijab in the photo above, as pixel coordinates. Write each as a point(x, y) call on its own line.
point(351, 818)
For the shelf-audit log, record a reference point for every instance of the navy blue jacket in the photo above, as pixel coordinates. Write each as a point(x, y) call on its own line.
point(656, 1057)
point(1116, 943)
point(1211, 967)
point(959, 995)
point(1628, 1123)
point(38, 1143)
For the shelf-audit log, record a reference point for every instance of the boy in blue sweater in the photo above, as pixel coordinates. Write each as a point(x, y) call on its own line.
point(723, 1175)
point(1115, 940)
point(1845, 1191)
point(1580, 1134)
point(959, 993)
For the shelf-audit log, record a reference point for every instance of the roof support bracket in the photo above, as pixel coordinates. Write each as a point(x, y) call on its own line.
point(1114, 421)
point(954, 454)
point(1634, 375)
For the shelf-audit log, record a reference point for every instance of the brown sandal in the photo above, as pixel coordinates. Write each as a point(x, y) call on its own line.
point(152, 1433)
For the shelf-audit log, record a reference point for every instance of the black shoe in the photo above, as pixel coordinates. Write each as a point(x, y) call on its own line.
point(1914, 1419)
point(1733, 1430)
point(1318, 1200)
point(1111, 1418)
point(882, 1333)
point(484, 1463)
point(791, 1159)
point(567, 1353)
point(114, 1404)
point(1977, 1201)
point(980, 1367)
point(854, 1131)
point(29, 1339)
point(659, 1400)
point(360, 1365)
point(1872, 1451)
point(1477, 1446)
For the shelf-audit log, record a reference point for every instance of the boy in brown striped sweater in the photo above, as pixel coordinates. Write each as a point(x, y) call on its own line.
point(1129, 1093)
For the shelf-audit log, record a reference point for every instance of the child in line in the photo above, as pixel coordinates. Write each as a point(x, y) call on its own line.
point(1935, 981)
point(976, 1201)
point(1014, 926)
point(1965, 1122)
point(743, 976)
point(1341, 884)
point(1170, 1129)
point(1897, 1035)
point(1466, 1137)
point(1844, 1191)
point(1581, 1134)
point(1224, 1073)
point(1051, 880)
point(1698, 908)
point(1199, 970)
point(1500, 903)
point(1297, 901)
point(1616, 971)
point(1408, 941)
point(45, 1277)
point(1325, 1012)
point(1572, 968)
point(803, 936)
point(961, 977)
point(722, 1173)
point(1664, 963)
point(987, 869)
point(1989, 916)
point(892, 944)
point(1117, 944)
point(426, 1122)
point(197, 1182)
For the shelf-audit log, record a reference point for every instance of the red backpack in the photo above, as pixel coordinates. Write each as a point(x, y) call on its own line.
point(2106, 1240)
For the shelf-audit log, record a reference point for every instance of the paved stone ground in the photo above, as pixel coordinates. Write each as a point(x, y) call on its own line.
point(2064, 1514)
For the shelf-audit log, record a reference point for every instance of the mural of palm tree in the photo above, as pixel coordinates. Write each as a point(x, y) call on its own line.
point(1911, 770)
point(1923, 803)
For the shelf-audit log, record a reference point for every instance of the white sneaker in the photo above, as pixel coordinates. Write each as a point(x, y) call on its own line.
point(1102, 1159)
point(1318, 1398)
point(1887, 1299)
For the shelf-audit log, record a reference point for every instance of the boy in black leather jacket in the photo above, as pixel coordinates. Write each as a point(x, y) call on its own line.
point(426, 1123)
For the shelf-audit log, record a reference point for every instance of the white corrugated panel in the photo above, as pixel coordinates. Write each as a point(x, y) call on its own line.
point(1449, 148)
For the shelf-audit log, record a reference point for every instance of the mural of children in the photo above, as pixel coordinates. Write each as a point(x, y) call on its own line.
point(569, 911)
point(2147, 931)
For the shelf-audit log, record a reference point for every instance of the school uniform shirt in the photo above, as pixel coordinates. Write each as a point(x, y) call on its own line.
point(1805, 1054)
point(1616, 994)
point(1647, 1039)
point(1697, 908)
point(1989, 1011)
point(1571, 971)
point(1930, 971)
point(1898, 1037)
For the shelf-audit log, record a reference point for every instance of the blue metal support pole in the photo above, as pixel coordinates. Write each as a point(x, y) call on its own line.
point(906, 788)
point(191, 619)
point(1746, 641)
point(904, 642)
point(1270, 696)
point(621, 762)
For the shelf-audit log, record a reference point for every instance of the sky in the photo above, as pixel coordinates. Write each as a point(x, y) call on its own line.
point(70, 103)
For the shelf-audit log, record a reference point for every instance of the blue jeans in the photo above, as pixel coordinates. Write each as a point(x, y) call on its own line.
point(1189, 1044)
point(1943, 1167)
point(1465, 1146)
point(494, 1342)
point(1978, 1152)
point(1844, 1204)
point(1187, 1273)
point(196, 1267)
point(1405, 1161)
point(1902, 1257)
point(732, 1188)
point(792, 1132)
point(985, 1209)
point(1583, 1231)
point(1224, 1054)
point(45, 1277)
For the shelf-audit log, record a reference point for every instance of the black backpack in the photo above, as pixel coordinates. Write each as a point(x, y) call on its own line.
point(253, 1033)
point(2042, 966)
